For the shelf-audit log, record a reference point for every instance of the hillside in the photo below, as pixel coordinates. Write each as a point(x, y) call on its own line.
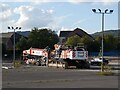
point(112, 32)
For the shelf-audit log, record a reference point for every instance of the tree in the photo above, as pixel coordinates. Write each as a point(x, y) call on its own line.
point(118, 43)
point(22, 44)
point(98, 44)
point(73, 40)
point(109, 43)
point(41, 38)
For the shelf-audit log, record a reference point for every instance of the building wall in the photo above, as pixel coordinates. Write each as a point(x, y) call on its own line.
point(62, 39)
point(9, 44)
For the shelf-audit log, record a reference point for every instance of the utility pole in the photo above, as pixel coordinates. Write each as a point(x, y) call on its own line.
point(103, 14)
point(13, 28)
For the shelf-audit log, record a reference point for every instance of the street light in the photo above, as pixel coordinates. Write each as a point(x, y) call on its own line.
point(103, 13)
point(14, 28)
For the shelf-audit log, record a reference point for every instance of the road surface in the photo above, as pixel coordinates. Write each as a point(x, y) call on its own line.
point(44, 77)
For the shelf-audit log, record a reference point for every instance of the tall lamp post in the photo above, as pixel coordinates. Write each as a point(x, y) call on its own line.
point(13, 28)
point(103, 13)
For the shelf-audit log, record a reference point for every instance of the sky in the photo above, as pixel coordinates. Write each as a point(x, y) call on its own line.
point(58, 16)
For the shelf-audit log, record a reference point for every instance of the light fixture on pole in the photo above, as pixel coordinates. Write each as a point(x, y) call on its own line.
point(103, 13)
point(14, 28)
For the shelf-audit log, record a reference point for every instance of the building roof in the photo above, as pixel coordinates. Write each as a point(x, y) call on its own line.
point(24, 33)
point(7, 35)
point(82, 33)
point(76, 31)
point(64, 33)
point(4, 37)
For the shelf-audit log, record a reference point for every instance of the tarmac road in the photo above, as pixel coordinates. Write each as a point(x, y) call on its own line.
point(43, 77)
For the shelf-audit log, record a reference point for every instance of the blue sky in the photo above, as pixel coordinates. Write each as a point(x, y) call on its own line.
point(57, 15)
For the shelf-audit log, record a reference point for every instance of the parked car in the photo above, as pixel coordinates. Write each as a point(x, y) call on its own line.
point(98, 61)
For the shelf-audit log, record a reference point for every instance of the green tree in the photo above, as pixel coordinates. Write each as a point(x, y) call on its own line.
point(98, 43)
point(110, 43)
point(73, 40)
point(95, 46)
point(22, 44)
point(40, 38)
point(117, 43)
point(87, 42)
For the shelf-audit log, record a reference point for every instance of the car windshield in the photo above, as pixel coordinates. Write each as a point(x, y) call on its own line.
point(103, 58)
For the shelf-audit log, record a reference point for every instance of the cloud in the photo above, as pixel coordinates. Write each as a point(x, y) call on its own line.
point(33, 17)
point(28, 17)
point(25, 16)
point(105, 2)
point(5, 12)
point(76, 1)
point(34, 1)
point(56, 23)
point(5, 16)
point(79, 21)
point(108, 1)
point(71, 1)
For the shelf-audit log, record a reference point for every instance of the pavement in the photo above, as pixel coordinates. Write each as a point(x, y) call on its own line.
point(28, 76)
point(0, 77)
point(47, 77)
